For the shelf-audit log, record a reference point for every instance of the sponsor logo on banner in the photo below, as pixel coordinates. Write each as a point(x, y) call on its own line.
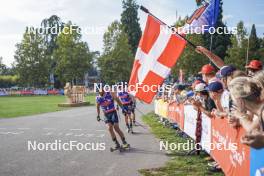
point(176, 114)
point(233, 160)
point(190, 116)
point(206, 133)
point(190, 119)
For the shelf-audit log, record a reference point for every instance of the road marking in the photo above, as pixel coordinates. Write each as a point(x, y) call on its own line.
point(79, 135)
point(101, 136)
point(76, 129)
point(48, 134)
point(68, 134)
point(100, 130)
point(15, 133)
point(49, 129)
point(89, 135)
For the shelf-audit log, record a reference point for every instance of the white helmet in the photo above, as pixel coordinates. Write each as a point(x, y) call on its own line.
point(200, 87)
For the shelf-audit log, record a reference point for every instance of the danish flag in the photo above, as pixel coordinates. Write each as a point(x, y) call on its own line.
point(157, 53)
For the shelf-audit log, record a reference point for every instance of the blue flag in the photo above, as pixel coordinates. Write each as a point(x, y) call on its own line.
point(203, 18)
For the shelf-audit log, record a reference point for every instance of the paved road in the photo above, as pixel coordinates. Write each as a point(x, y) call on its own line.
point(77, 125)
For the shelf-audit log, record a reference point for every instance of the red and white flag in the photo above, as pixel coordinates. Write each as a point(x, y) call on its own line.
point(157, 53)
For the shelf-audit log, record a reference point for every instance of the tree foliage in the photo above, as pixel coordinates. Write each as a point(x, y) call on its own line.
point(130, 22)
point(7, 81)
point(72, 56)
point(32, 64)
point(254, 44)
point(236, 55)
point(51, 27)
point(117, 59)
point(3, 67)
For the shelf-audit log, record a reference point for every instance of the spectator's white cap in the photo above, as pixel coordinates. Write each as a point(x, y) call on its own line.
point(200, 87)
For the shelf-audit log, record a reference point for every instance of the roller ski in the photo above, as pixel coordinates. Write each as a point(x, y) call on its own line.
point(116, 148)
point(125, 147)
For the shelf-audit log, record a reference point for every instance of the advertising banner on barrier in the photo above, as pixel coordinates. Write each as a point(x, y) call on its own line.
point(3, 93)
point(190, 116)
point(161, 108)
point(227, 150)
point(164, 109)
point(176, 114)
point(26, 92)
point(190, 119)
point(256, 162)
point(53, 92)
point(40, 92)
point(156, 106)
point(206, 133)
point(218, 138)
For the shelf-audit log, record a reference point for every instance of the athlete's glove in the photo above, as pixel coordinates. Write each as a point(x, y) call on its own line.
point(98, 118)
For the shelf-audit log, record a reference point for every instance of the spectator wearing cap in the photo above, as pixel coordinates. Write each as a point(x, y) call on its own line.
point(246, 96)
point(216, 90)
point(197, 81)
point(226, 71)
point(178, 88)
point(253, 67)
point(203, 100)
point(208, 73)
point(227, 74)
point(177, 91)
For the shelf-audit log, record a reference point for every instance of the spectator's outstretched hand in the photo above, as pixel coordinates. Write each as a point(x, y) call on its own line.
point(195, 103)
point(255, 140)
point(214, 58)
point(233, 121)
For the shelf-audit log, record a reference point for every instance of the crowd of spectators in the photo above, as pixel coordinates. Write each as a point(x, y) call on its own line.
point(228, 93)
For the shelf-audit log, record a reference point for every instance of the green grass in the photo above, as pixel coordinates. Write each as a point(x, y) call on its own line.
point(179, 164)
point(16, 106)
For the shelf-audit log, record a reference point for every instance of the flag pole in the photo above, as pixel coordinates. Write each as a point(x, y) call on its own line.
point(144, 9)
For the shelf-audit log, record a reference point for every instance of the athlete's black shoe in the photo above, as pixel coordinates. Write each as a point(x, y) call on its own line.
point(117, 146)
